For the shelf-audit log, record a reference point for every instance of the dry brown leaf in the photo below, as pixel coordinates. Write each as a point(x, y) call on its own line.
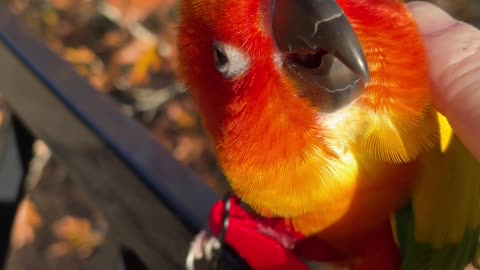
point(59, 249)
point(50, 18)
point(129, 53)
point(62, 4)
point(470, 267)
point(1, 118)
point(148, 61)
point(80, 55)
point(75, 235)
point(26, 222)
point(137, 10)
point(113, 39)
point(180, 116)
point(100, 81)
point(189, 148)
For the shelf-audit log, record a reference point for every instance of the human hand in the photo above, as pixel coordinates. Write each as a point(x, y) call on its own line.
point(453, 50)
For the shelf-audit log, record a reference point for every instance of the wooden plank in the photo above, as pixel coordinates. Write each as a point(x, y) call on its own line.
point(157, 202)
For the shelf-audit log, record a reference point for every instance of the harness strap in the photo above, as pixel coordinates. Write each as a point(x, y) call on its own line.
point(264, 243)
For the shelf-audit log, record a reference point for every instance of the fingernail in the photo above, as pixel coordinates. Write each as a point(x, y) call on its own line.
point(431, 19)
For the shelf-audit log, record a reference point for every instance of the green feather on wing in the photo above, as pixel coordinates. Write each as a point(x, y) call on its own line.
point(420, 256)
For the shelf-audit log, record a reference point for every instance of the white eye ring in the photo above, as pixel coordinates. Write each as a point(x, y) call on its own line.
point(229, 61)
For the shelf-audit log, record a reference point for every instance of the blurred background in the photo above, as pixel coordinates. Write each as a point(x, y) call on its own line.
point(126, 50)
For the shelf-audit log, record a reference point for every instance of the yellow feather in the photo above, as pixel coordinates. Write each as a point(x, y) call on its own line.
point(446, 132)
point(446, 198)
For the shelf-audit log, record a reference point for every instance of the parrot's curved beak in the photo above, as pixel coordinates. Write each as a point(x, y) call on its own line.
point(321, 51)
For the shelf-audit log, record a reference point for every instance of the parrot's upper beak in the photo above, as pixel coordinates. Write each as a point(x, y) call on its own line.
point(321, 51)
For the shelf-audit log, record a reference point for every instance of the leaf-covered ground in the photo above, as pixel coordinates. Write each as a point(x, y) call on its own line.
point(125, 49)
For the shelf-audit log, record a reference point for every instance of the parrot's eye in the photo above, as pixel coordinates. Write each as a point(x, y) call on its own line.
point(229, 61)
point(221, 60)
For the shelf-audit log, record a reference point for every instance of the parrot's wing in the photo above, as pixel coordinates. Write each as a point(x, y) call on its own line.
point(439, 229)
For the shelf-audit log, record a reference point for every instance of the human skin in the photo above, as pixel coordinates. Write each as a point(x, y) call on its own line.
point(453, 49)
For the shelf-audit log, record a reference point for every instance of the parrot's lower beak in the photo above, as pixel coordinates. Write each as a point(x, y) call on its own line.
point(321, 51)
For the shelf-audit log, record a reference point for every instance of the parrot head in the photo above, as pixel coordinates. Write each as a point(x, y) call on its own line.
point(292, 93)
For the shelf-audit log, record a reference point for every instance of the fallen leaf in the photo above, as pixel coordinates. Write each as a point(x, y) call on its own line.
point(75, 235)
point(62, 4)
point(113, 39)
point(189, 148)
point(137, 10)
point(149, 61)
point(180, 116)
point(26, 222)
point(60, 249)
point(80, 55)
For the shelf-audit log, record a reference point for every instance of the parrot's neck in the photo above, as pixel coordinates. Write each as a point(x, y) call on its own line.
point(278, 159)
point(288, 166)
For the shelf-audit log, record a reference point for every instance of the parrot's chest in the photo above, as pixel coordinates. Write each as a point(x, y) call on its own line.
point(322, 178)
point(371, 199)
point(317, 187)
point(361, 194)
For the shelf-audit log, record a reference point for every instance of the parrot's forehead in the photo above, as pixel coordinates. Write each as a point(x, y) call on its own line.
point(209, 8)
point(238, 15)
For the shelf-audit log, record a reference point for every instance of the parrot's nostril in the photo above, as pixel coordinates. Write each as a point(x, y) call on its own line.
point(310, 61)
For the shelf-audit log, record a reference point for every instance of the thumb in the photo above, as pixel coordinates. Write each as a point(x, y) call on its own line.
point(453, 50)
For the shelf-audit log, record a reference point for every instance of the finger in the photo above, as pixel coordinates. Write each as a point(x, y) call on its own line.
point(453, 50)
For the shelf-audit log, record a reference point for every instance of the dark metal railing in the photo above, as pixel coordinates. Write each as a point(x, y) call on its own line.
point(108, 153)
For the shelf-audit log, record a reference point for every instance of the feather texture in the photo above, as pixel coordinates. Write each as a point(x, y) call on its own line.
point(280, 155)
point(440, 228)
point(326, 172)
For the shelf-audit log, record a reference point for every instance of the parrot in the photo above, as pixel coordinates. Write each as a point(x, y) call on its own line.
point(320, 113)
